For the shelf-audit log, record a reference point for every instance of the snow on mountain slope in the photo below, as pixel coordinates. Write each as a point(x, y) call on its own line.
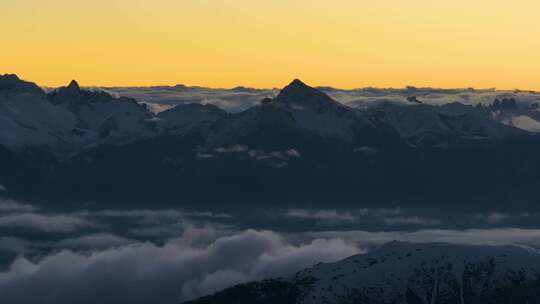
point(299, 115)
point(513, 113)
point(435, 273)
point(101, 118)
point(422, 124)
point(183, 117)
point(316, 111)
point(526, 123)
point(28, 119)
point(68, 119)
point(299, 112)
point(263, 126)
point(367, 97)
point(406, 273)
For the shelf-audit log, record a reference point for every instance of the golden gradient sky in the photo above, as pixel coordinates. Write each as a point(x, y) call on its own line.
point(224, 43)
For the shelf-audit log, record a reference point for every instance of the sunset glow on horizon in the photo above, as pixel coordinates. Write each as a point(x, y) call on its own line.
point(225, 43)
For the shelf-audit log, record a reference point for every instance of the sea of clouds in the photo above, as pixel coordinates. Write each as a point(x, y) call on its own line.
point(238, 99)
point(168, 256)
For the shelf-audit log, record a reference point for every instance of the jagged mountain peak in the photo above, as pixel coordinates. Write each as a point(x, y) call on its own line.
point(74, 86)
point(69, 93)
point(74, 94)
point(297, 82)
point(71, 89)
point(298, 91)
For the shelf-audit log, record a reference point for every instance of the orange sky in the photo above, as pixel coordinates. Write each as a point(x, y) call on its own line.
point(224, 43)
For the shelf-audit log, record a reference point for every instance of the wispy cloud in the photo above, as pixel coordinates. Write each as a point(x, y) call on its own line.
point(332, 215)
point(13, 206)
point(413, 220)
point(274, 158)
point(389, 216)
point(94, 242)
point(491, 218)
point(15, 245)
point(44, 222)
point(231, 149)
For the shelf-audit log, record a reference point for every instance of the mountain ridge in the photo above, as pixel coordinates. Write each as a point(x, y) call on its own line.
point(405, 273)
point(302, 142)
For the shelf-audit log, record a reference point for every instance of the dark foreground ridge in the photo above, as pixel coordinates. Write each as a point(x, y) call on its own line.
point(402, 273)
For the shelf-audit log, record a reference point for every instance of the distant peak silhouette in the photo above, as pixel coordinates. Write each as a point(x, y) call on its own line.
point(12, 82)
point(11, 76)
point(296, 88)
point(299, 92)
point(74, 86)
point(297, 82)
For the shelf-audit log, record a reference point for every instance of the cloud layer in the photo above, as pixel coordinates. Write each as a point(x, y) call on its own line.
point(170, 255)
point(41, 222)
point(235, 100)
point(147, 273)
point(182, 268)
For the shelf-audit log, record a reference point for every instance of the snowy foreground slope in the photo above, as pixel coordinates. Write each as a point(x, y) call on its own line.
point(405, 273)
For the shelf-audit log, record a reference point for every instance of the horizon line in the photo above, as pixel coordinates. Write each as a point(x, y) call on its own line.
point(410, 86)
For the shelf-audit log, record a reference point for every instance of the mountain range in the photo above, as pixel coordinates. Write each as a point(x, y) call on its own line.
point(73, 143)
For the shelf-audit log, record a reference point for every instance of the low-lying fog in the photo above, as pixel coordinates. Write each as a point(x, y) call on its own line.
point(102, 255)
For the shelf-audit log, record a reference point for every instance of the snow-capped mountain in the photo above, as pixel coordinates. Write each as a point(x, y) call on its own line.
point(316, 111)
point(305, 112)
point(102, 118)
point(74, 119)
point(28, 119)
point(302, 142)
point(406, 273)
point(70, 119)
point(422, 124)
point(183, 117)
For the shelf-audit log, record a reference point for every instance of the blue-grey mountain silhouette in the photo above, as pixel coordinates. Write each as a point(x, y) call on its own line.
point(79, 144)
